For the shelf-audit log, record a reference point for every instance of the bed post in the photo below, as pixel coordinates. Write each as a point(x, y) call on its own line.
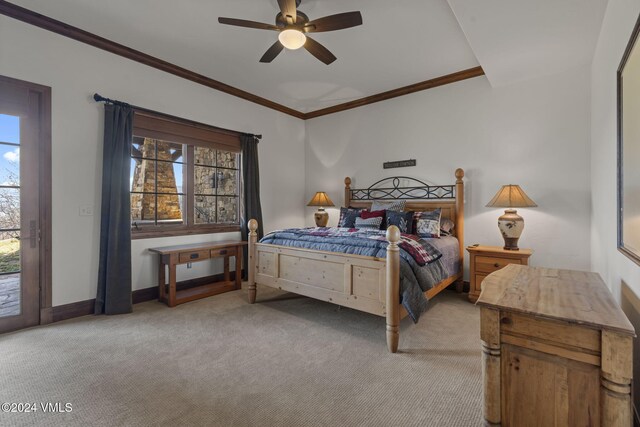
point(347, 192)
point(460, 224)
point(253, 238)
point(393, 289)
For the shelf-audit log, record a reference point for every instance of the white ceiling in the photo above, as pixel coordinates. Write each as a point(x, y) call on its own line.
point(516, 40)
point(401, 42)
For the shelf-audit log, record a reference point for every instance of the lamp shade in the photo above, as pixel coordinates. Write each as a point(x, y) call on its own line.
point(511, 196)
point(320, 199)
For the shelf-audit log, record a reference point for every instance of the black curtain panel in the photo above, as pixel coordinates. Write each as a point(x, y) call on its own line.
point(114, 274)
point(251, 183)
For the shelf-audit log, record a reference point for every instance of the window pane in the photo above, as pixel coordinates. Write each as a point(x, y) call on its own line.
point(205, 210)
point(143, 147)
point(170, 151)
point(9, 256)
point(10, 295)
point(9, 208)
point(9, 129)
point(228, 210)
point(169, 177)
point(143, 208)
point(227, 182)
point(9, 165)
point(205, 180)
point(227, 159)
point(204, 156)
point(170, 209)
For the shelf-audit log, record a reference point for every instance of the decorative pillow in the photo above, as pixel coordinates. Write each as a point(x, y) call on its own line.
point(428, 224)
point(446, 226)
point(389, 205)
point(402, 220)
point(369, 224)
point(372, 214)
point(348, 217)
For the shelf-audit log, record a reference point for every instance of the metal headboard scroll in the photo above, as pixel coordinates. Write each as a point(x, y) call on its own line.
point(390, 189)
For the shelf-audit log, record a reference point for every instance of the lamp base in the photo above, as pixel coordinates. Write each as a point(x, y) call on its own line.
point(511, 225)
point(321, 217)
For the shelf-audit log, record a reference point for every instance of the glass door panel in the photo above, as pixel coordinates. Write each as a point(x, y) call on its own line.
point(10, 265)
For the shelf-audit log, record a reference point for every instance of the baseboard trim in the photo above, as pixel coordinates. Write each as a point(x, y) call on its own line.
point(84, 308)
point(74, 309)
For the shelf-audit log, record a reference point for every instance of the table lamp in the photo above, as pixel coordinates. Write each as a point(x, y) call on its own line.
point(321, 200)
point(511, 224)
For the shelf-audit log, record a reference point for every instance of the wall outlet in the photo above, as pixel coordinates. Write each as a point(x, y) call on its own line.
point(86, 210)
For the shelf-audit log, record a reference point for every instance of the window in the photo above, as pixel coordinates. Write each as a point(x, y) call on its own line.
point(185, 178)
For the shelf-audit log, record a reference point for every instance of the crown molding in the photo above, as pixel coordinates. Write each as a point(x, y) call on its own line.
point(30, 17)
point(406, 90)
point(58, 27)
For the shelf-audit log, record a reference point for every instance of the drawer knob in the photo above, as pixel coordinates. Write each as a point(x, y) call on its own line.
point(223, 252)
point(496, 265)
point(193, 256)
point(505, 321)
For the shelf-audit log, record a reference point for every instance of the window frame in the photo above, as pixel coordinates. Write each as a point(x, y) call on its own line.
point(181, 131)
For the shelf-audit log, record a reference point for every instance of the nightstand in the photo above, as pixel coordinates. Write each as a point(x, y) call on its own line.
point(484, 260)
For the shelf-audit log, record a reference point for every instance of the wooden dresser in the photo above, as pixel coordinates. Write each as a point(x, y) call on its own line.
point(484, 260)
point(557, 349)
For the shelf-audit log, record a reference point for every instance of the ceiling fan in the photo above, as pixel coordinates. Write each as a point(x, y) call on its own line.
point(293, 26)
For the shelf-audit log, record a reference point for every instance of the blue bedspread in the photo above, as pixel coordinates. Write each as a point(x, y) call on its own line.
point(415, 278)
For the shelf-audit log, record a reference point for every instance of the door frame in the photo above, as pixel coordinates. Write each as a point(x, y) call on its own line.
point(43, 94)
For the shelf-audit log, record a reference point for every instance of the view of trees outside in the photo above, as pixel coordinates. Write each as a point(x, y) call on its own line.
point(9, 197)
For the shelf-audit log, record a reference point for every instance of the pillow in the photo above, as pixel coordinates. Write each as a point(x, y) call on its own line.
point(369, 224)
point(372, 214)
point(428, 224)
point(348, 217)
point(446, 226)
point(402, 220)
point(389, 205)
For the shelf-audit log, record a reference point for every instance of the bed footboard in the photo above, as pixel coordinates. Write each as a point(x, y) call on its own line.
point(359, 282)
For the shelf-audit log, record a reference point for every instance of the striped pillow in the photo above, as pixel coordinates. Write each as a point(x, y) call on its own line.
point(389, 205)
point(369, 223)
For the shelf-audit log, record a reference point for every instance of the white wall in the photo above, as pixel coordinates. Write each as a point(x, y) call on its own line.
point(535, 134)
point(75, 71)
point(612, 265)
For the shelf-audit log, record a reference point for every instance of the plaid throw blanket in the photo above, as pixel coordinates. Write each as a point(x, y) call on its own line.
point(352, 240)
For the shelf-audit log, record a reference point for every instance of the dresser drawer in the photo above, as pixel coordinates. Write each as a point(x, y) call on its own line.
point(489, 264)
point(193, 256)
point(223, 252)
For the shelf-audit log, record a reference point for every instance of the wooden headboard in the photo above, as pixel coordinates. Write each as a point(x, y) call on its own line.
point(419, 196)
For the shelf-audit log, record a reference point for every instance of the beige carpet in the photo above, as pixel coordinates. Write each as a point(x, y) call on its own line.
point(286, 361)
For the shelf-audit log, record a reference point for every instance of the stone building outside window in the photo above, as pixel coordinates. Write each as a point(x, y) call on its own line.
point(185, 178)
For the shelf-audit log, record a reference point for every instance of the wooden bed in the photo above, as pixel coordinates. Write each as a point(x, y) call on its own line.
point(363, 283)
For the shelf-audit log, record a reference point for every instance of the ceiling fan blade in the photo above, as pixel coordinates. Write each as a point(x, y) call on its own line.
point(272, 52)
point(334, 22)
point(319, 51)
point(248, 24)
point(288, 9)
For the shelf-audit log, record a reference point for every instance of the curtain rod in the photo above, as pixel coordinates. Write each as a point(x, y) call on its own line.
point(99, 98)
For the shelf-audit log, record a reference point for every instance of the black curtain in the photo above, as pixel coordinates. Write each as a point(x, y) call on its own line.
point(251, 183)
point(114, 274)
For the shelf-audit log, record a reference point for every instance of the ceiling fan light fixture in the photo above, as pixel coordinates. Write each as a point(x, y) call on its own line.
point(292, 39)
